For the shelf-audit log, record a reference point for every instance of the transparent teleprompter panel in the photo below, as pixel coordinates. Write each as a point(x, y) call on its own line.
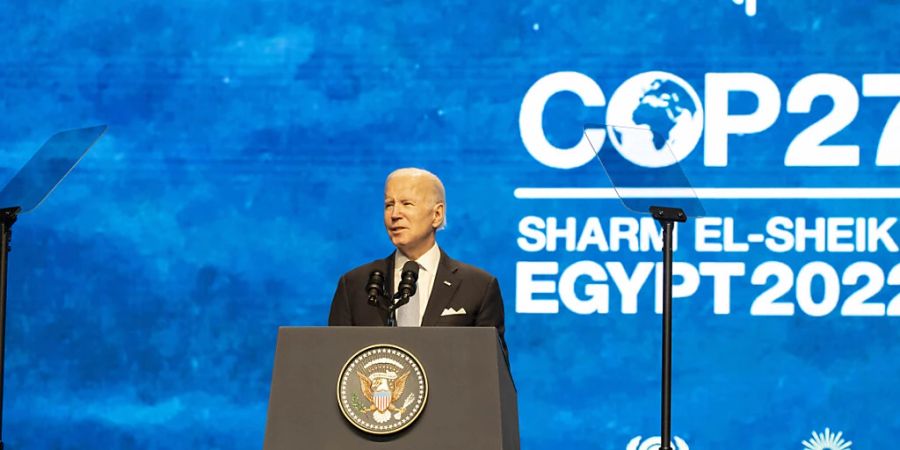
point(643, 169)
point(49, 165)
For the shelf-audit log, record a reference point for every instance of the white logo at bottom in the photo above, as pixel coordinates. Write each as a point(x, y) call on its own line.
point(654, 443)
point(827, 441)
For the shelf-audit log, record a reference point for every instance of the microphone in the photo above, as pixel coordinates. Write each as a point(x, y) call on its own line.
point(408, 277)
point(375, 287)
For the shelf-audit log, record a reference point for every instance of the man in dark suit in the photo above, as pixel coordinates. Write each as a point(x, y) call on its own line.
point(449, 293)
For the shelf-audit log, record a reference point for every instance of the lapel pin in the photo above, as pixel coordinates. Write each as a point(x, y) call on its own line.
point(447, 283)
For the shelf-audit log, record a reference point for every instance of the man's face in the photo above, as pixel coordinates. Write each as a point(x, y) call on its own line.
point(410, 213)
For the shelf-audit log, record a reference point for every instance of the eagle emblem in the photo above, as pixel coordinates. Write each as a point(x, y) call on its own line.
point(382, 389)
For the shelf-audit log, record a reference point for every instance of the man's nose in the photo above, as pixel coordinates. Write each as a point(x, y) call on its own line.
point(395, 212)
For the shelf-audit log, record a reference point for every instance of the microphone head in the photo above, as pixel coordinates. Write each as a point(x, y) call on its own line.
point(411, 267)
point(408, 277)
point(376, 280)
point(375, 286)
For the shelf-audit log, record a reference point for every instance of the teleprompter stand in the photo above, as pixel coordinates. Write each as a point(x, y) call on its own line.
point(667, 218)
point(659, 180)
point(24, 192)
point(7, 219)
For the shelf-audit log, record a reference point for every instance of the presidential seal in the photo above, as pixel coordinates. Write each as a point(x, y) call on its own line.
point(382, 389)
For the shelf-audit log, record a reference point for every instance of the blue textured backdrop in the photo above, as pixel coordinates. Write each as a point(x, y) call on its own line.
point(242, 175)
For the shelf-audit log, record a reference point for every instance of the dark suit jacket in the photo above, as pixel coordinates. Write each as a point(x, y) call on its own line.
point(456, 285)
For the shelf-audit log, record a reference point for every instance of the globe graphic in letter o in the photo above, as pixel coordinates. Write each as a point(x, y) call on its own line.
point(663, 103)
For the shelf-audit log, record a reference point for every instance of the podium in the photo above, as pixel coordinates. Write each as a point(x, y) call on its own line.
point(471, 399)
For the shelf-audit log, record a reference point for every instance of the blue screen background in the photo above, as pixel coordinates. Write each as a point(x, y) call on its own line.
point(242, 173)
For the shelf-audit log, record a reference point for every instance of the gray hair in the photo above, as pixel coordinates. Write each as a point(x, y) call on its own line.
point(437, 187)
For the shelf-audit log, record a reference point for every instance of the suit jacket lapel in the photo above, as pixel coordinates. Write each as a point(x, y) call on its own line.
point(389, 276)
point(446, 282)
point(389, 286)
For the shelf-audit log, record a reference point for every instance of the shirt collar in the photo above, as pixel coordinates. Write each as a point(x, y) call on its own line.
point(428, 261)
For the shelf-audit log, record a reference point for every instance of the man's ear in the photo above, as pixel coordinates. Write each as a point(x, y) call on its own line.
point(438, 220)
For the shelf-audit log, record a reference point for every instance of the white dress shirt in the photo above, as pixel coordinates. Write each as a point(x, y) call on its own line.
point(428, 265)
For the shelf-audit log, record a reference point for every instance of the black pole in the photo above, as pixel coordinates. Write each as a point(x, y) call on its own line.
point(7, 219)
point(396, 302)
point(667, 218)
point(392, 318)
point(666, 433)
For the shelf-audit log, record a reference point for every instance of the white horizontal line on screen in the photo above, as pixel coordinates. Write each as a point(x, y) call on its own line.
point(707, 193)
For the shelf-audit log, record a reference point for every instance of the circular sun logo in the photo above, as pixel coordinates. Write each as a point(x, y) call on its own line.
point(827, 441)
point(382, 389)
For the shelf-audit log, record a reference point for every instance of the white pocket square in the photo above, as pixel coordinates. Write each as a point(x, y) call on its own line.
point(453, 312)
